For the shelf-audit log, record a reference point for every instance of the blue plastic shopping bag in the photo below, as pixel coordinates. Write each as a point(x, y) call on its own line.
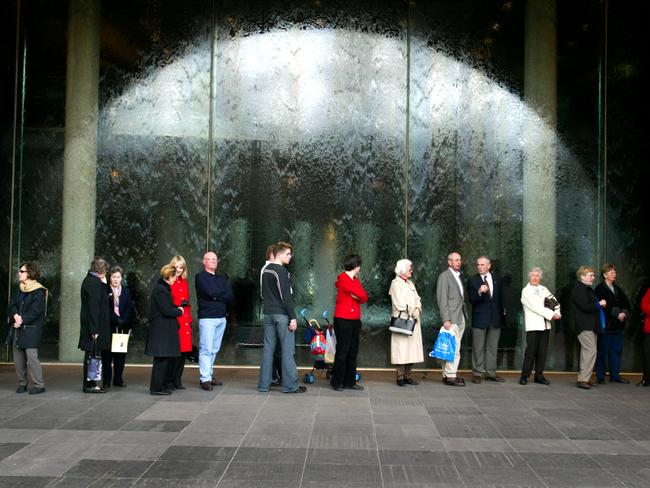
point(445, 346)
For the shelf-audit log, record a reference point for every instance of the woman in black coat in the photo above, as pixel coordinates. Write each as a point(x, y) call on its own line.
point(162, 341)
point(95, 331)
point(121, 313)
point(587, 311)
point(26, 316)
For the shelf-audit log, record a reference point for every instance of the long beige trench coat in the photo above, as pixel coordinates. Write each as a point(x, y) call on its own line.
point(406, 349)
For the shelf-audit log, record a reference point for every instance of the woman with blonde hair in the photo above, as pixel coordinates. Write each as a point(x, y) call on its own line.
point(181, 296)
point(162, 340)
point(405, 349)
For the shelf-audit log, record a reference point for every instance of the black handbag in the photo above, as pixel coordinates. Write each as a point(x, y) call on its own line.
point(401, 325)
point(551, 303)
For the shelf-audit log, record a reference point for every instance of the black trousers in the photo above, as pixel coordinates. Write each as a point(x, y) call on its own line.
point(160, 373)
point(176, 368)
point(646, 357)
point(347, 348)
point(113, 367)
point(535, 355)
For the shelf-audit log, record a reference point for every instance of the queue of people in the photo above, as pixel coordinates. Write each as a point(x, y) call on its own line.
point(598, 317)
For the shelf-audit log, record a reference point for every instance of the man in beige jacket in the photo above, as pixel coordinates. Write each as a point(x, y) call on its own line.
point(450, 295)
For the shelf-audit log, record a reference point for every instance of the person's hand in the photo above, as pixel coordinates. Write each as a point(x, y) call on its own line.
point(95, 336)
point(621, 317)
point(293, 325)
point(446, 324)
point(354, 296)
point(603, 303)
point(18, 320)
point(181, 309)
point(556, 316)
point(483, 289)
point(16, 325)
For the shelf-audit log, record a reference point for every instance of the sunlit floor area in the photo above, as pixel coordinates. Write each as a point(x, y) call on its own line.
point(384, 436)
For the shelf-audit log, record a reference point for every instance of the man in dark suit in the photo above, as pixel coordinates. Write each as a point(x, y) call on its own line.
point(488, 316)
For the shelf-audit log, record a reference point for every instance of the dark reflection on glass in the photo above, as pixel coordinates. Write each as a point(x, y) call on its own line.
point(390, 129)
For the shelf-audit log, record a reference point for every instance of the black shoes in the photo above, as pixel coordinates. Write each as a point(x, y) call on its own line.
point(93, 389)
point(619, 380)
point(300, 389)
point(495, 379)
point(410, 381)
point(21, 389)
point(401, 383)
point(354, 387)
point(206, 385)
point(523, 380)
point(337, 387)
point(161, 392)
point(454, 381)
point(601, 381)
point(36, 390)
point(542, 381)
point(214, 382)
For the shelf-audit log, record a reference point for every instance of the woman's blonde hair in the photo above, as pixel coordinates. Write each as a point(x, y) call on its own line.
point(584, 270)
point(167, 271)
point(181, 260)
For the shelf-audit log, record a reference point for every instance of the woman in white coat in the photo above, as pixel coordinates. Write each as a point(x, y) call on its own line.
point(404, 349)
point(537, 320)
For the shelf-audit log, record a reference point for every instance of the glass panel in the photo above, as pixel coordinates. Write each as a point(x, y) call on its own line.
point(153, 142)
point(309, 114)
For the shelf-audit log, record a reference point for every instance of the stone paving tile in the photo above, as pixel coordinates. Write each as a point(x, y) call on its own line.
point(126, 452)
point(99, 468)
point(7, 449)
point(323, 441)
point(264, 472)
point(24, 481)
point(275, 440)
point(208, 439)
point(415, 458)
point(92, 483)
point(15, 466)
point(484, 459)
point(342, 456)
point(450, 425)
point(170, 469)
point(342, 473)
point(395, 474)
point(198, 453)
point(156, 425)
point(578, 477)
point(25, 435)
point(453, 444)
point(172, 483)
point(500, 476)
point(270, 455)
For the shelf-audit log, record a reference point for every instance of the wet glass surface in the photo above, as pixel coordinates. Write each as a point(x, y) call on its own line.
point(390, 129)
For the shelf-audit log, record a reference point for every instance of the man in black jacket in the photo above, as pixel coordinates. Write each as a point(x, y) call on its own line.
point(610, 342)
point(488, 316)
point(279, 321)
point(213, 294)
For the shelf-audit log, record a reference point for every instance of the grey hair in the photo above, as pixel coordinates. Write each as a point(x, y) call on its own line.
point(483, 256)
point(536, 270)
point(402, 266)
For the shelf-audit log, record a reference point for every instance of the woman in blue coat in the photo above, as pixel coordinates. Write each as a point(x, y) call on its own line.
point(26, 316)
point(121, 310)
point(162, 341)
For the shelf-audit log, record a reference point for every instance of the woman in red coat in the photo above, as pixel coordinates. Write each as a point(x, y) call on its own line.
point(181, 296)
point(645, 309)
point(347, 324)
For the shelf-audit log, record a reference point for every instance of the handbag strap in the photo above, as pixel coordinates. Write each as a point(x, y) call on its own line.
point(400, 312)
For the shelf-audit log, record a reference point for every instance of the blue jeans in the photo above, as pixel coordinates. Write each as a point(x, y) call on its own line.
point(210, 336)
point(610, 347)
point(277, 327)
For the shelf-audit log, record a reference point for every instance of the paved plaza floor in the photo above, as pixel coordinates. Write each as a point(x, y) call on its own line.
point(430, 435)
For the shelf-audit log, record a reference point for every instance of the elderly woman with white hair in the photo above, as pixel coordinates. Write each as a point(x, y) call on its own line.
point(540, 308)
point(405, 349)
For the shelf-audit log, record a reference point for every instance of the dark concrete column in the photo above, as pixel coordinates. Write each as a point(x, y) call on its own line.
point(539, 131)
point(80, 165)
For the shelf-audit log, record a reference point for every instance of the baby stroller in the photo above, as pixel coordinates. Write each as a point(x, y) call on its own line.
point(315, 336)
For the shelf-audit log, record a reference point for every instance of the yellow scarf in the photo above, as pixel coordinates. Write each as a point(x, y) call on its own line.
point(32, 285)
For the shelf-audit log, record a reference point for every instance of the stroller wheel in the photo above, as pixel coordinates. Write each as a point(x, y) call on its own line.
point(311, 378)
point(357, 376)
point(305, 379)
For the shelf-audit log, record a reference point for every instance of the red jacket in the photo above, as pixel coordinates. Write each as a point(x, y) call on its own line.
point(645, 308)
point(180, 292)
point(347, 306)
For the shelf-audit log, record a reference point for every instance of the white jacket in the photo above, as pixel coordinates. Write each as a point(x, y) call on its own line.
point(536, 315)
